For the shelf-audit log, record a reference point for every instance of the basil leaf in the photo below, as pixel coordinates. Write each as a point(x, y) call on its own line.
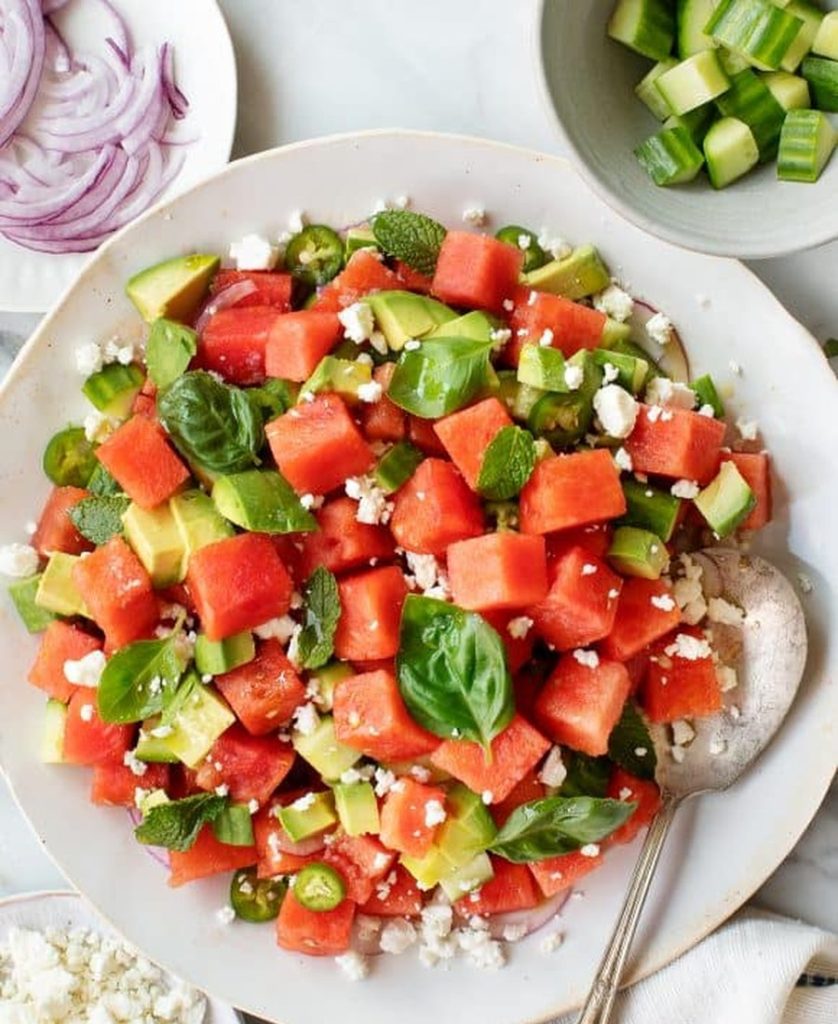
point(442, 375)
point(273, 398)
point(138, 680)
point(99, 518)
point(322, 602)
point(177, 824)
point(452, 671)
point(211, 423)
point(169, 351)
point(586, 775)
point(507, 463)
point(413, 238)
point(261, 500)
point(629, 735)
point(556, 825)
point(101, 483)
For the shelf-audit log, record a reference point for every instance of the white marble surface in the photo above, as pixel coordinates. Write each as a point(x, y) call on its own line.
point(311, 67)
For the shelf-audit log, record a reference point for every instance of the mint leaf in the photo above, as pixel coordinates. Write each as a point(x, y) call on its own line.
point(629, 735)
point(99, 518)
point(507, 463)
point(169, 351)
point(138, 679)
point(102, 483)
point(176, 825)
point(322, 612)
point(441, 376)
point(411, 237)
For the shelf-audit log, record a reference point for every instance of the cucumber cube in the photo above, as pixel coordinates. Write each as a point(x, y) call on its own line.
point(750, 99)
point(327, 678)
point(806, 144)
point(691, 18)
point(726, 501)
point(645, 26)
point(802, 43)
point(631, 371)
point(790, 91)
point(757, 30)
point(825, 43)
point(52, 736)
point(234, 826)
point(647, 93)
point(706, 394)
point(822, 76)
point(112, 389)
point(649, 508)
point(693, 82)
point(359, 238)
point(396, 466)
point(637, 552)
point(153, 749)
point(23, 593)
point(670, 157)
point(696, 122)
point(730, 150)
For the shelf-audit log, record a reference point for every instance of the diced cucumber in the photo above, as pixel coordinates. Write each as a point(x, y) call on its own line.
point(323, 751)
point(732, 62)
point(359, 238)
point(691, 17)
point(822, 76)
point(396, 466)
point(670, 157)
point(631, 371)
point(706, 394)
point(790, 91)
point(726, 501)
point(357, 808)
point(468, 878)
point(57, 592)
point(327, 678)
point(23, 593)
point(542, 366)
point(645, 26)
point(631, 348)
point(214, 657)
point(826, 40)
point(650, 508)
point(750, 99)
point(614, 331)
point(806, 144)
point(307, 816)
point(113, 388)
point(153, 748)
point(577, 276)
point(234, 826)
point(755, 29)
point(518, 398)
point(697, 122)
point(647, 93)
point(52, 735)
point(693, 82)
point(730, 151)
point(811, 17)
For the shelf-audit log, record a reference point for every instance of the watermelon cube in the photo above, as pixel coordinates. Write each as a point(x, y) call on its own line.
point(646, 610)
point(435, 508)
point(467, 433)
point(675, 443)
point(476, 271)
point(498, 571)
point(571, 490)
point(138, 455)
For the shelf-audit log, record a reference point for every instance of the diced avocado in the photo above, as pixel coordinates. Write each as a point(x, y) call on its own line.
point(542, 366)
point(214, 657)
point(310, 814)
point(323, 751)
point(173, 289)
point(637, 552)
point(234, 826)
point(428, 871)
point(476, 325)
point(52, 735)
point(469, 827)
point(357, 808)
point(631, 371)
point(503, 516)
point(197, 720)
point(614, 331)
point(327, 679)
point(261, 500)
point(154, 535)
point(631, 348)
point(359, 238)
point(518, 398)
point(57, 591)
point(650, 508)
point(342, 376)
point(396, 466)
point(23, 593)
point(578, 275)
point(726, 501)
point(112, 389)
point(150, 799)
point(468, 877)
point(401, 316)
point(198, 521)
point(153, 748)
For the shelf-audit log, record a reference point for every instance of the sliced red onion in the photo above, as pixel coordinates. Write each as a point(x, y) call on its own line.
point(224, 299)
point(23, 39)
point(52, 5)
point(304, 848)
point(157, 853)
point(530, 920)
point(672, 357)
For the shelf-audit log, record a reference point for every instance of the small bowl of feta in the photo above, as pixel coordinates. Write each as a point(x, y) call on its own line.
point(719, 142)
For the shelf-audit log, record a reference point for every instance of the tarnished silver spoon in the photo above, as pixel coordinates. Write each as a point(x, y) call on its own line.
point(771, 653)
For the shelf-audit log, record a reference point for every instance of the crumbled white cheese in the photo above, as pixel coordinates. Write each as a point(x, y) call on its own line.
point(622, 460)
point(384, 781)
point(748, 429)
point(573, 377)
point(590, 659)
point(427, 575)
point(716, 745)
point(689, 648)
point(616, 409)
point(97, 426)
point(550, 943)
point(508, 305)
point(311, 501)
point(557, 247)
point(306, 719)
point(487, 796)
point(625, 794)
point(687, 489)
point(358, 322)
point(719, 610)
point(296, 221)
point(735, 368)
point(130, 760)
point(434, 813)
point(546, 339)
point(499, 338)
point(669, 393)
point(87, 670)
point(281, 629)
point(519, 627)
point(659, 329)
point(514, 932)
point(253, 252)
point(614, 302)
point(662, 601)
point(18, 560)
point(589, 850)
point(707, 410)
point(397, 936)
point(589, 569)
point(677, 753)
point(553, 772)
point(474, 215)
point(88, 358)
point(682, 732)
point(86, 712)
point(524, 242)
point(253, 806)
point(412, 345)
point(373, 506)
point(640, 751)
point(353, 965)
point(303, 803)
point(727, 678)
point(805, 583)
point(610, 373)
point(370, 392)
point(480, 948)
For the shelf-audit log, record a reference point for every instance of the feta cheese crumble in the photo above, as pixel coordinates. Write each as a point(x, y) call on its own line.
point(358, 322)
point(663, 601)
point(373, 506)
point(687, 489)
point(614, 302)
point(659, 329)
point(748, 429)
point(434, 813)
point(665, 392)
point(519, 627)
point(19, 561)
point(590, 659)
point(306, 719)
point(353, 965)
point(253, 252)
point(589, 850)
point(131, 761)
point(281, 628)
point(616, 409)
point(427, 575)
point(475, 216)
point(573, 377)
point(689, 648)
point(86, 671)
point(682, 732)
point(622, 460)
point(88, 358)
point(556, 246)
point(370, 392)
point(719, 610)
point(588, 569)
point(550, 943)
point(553, 772)
point(397, 936)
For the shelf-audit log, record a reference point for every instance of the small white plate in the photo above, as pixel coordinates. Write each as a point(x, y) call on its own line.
point(67, 910)
point(205, 67)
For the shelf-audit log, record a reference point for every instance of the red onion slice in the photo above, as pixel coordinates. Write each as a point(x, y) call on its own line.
point(672, 357)
point(224, 299)
point(304, 848)
point(530, 920)
point(24, 42)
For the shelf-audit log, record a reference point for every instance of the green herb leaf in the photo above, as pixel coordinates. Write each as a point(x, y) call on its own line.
point(169, 351)
point(830, 348)
point(138, 680)
point(452, 671)
point(261, 500)
point(273, 398)
point(211, 423)
point(101, 483)
point(586, 775)
point(556, 825)
point(507, 463)
point(99, 518)
point(176, 825)
point(442, 375)
point(629, 735)
point(411, 237)
point(316, 641)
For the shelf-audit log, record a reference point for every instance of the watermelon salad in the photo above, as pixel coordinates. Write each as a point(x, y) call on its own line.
point(369, 569)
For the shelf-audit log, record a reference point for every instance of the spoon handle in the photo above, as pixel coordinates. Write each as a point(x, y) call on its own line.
point(597, 1009)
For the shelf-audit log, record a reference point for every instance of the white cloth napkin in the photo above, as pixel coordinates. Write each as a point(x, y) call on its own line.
point(746, 972)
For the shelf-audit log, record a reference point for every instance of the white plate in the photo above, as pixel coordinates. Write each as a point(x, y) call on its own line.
point(67, 910)
point(722, 848)
point(205, 67)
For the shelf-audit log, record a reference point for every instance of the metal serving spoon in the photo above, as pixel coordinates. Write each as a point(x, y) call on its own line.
point(771, 647)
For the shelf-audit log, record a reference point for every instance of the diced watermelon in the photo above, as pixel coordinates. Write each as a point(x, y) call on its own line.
point(558, 873)
point(271, 288)
point(640, 618)
point(755, 467)
point(594, 538)
point(498, 571)
point(89, 740)
point(675, 443)
point(265, 692)
point(405, 817)
point(399, 898)
point(371, 608)
point(237, 584)
point(581, 604)
point(116, 784)
point(363, 274)
point(422, 434)
point(435, 508)
point(512, 888)
point(411, 280)
point(145, 404)
point(61, 642)
point(317, 445)
point(466, 435)
point(383, 420)
point(642, 792)
point(55, 530)
point(580, 705)
point(371, 716)
point(573, 325)
point(342, 542)
point(361, 860)
point(139, 457)
point(251, 766)
point(314, 932)
point(272, 844)
point(476, 271)
point(518, 647)
point(118, 593)
point(678, 686)
point(208, 857)
point(234, 341)
point(571, 490)
point(529, 788)
point(515, 751)
point(298, 341)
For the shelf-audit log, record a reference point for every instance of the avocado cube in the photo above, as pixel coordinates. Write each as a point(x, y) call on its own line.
point(614, 331)
point(636, 552)
point(631, 371)
point(23, 593)
point(469, 828)
point(342, 376)
point(153, 749)
point(323, 751)
point(327, 678)
point(726, 501)
point(154, 535)
point(307, 816)
point(359, 238)
point(357, 808)
point(57, 591)
point(198, 521)
point(401, 316)
point(173, 289)
point(650, 508)
point(577, 276)
point(261, 500)
point(198, 721)
point(542, 367)
point(52, 735)
point(150, 799)
point(467, 878)
point(428, 871)
point(214, 657)
point(476, 325)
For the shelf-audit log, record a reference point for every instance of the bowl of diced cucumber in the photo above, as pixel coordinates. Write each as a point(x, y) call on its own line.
point(711, 123)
